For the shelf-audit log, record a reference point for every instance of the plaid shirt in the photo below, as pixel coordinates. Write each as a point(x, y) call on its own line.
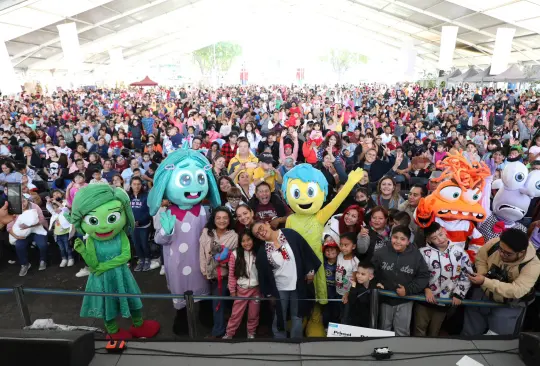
point(228, 152)
point(486, 227)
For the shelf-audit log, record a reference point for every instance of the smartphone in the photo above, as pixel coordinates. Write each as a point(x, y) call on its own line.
point(14, 197)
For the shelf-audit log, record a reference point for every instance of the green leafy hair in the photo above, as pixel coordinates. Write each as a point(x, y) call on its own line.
point(94, 195)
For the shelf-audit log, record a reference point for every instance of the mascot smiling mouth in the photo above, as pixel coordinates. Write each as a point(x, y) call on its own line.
point(307, 206)
point(192, 195)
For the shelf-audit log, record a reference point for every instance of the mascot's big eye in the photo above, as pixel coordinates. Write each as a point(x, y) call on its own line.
point(295, 191)
point(472, 196)
point(450, 193)
point(185, 180)
point(201, 179)
point(514, 175)
point(533, 184)
point(112, 218)
point(312, 190)
point(91, 220)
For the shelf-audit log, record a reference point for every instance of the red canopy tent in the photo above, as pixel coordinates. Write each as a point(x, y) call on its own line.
point(144, 82)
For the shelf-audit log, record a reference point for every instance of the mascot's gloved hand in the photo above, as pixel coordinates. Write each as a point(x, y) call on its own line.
point(167, 221)
point(79, 246)
point(355, 176)
point(222, 255)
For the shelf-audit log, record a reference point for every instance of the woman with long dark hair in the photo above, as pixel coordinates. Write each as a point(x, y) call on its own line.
point(217, 241)
point(141, 212)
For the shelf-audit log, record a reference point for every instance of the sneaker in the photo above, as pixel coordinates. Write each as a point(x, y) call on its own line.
point(226, 337)
point(251, 336)
point(42, 266)
point(162, 271)
point(71, 262)
point(11, 262)
point(83, 272)
point(63, 263)
point(24, 270)
point(139, 266)
point(154, 263)
point(146, 265)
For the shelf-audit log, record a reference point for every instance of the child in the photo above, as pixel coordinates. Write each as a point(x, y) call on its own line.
point(56, 206)
point(399, 267)
point(234, 198)
point(116, 145)
point(266, 172)
point(243, 282)
point(448, 265)
point(146, 161)
point(359, 303)
point(73, 187)
point(347, 264)
point(440, 154)
point(97, 178)
point(330, 251)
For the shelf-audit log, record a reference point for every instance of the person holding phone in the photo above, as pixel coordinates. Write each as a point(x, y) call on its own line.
point(9, 174)
point(22, 243)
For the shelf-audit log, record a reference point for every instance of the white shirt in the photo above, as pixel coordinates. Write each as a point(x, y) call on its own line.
point(285, 272)
point(252, 279)
point(386, 138)
point(344, 272)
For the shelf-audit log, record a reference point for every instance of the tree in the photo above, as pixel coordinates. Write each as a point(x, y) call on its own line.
point(342, 60)
point(225, 53)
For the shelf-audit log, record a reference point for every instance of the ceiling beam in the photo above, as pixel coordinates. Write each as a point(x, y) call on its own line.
point(89, 27)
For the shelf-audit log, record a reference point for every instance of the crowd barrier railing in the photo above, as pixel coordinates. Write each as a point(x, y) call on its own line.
point(191, 299)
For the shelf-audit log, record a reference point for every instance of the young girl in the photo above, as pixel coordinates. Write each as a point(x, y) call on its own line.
point(73, 187)
point(243, 282)
point(56, 207)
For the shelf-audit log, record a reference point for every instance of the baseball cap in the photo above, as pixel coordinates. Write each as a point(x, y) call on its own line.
point(330, 244)
point(267, 158)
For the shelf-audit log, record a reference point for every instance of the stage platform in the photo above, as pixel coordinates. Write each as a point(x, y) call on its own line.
point(421, 352)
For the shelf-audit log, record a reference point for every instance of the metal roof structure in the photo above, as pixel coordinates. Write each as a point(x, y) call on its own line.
point(153, 29)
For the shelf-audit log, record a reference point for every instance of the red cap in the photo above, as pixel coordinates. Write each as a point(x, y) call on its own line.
point(287, 146)
point(330, 244)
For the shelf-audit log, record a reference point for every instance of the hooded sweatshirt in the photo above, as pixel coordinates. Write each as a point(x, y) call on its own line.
point(237, 160)
point(408, 269)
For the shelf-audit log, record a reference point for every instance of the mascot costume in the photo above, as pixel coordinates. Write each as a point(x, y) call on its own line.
point(455, 204)
point(185, 178)
point(305, 189)
point(516, 188)
point(103, 215)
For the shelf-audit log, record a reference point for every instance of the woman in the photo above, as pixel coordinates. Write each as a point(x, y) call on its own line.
point(387, 194)
point(55, 168)
point(141, 212)
point(376, 236)
point(286, 265)
point(213, 152)
point(377, 168)
point(218, 238)
point(333, 170)
point(31, 158)
point(9, 175)
point(244, 218)
point(224, 185)
point(244, 181)
point(218, 167)
point(350, 221)
point(22, 243)
point(269, 207)
point(252, 136)
point(118, 181)
point(331, 144)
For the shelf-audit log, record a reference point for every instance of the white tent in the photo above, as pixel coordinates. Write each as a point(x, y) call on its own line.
point(482, 76)
point(512, 74)
point(460, 78)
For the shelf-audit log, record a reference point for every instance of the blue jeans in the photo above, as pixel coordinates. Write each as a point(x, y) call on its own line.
point(63, 244)
point(218, 330)
point(140, 242)
point(21, 247)
point(288, 299)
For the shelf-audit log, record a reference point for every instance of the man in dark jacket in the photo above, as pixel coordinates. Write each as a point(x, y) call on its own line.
point(399, 267)
point(271, 146)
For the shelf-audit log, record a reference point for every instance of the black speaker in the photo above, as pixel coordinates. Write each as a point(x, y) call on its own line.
point(36, 347)
point(529, 348)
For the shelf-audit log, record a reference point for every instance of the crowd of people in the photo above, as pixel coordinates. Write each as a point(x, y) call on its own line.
point(54, 145)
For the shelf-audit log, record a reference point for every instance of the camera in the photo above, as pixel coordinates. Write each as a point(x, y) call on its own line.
point(497, 273)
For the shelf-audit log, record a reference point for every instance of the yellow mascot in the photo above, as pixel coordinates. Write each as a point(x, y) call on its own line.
point(305, 189)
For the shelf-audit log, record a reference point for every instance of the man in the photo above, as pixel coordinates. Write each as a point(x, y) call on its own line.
point(507, 269)
point(417, 191)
